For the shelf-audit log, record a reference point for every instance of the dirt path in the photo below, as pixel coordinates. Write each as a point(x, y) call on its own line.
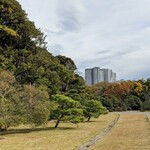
point(132, 132)
point(147, 113)
point(134, 112)
point(86, 145)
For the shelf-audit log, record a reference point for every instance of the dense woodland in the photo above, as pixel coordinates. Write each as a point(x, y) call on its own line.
point(123, 96)
point(36, 87)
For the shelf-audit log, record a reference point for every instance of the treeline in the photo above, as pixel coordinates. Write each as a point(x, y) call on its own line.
point(35, 86)
point(122, 96)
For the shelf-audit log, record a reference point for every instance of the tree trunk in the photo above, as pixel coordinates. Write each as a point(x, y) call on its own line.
point(3, 129)
point(57, 123)
point(30, 96)
point(89, 119)
point(77, 125)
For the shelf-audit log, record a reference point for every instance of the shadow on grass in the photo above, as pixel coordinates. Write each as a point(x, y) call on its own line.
point(26, 131)
point(101, 121)
point(65, 128)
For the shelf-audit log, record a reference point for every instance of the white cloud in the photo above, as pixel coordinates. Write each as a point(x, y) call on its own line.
point(112, 33)
point(70, 15)
point(134, 65)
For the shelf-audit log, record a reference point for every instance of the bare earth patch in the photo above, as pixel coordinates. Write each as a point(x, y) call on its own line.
point(132, 132)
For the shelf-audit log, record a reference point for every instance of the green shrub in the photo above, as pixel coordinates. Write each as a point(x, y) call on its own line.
point(146, 105)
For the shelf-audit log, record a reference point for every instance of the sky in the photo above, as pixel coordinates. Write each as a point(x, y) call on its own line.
point(112, 34)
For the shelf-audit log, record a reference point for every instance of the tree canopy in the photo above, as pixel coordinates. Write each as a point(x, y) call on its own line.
point(33, 74)
point(66, 109)
point(36, 86)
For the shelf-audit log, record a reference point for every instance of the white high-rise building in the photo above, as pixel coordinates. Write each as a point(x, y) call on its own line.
point(113, 77)
point(96, 75)
point(101, 75)
point(88, 76)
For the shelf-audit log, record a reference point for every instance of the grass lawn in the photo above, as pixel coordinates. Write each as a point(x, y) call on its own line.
point(132, 132)
point(66, 137)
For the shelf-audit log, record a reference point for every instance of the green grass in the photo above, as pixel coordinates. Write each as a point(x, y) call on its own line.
point(132, 132)
point(66, 137)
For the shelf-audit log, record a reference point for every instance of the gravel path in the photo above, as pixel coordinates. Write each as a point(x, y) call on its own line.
point(147, 113)
point(86, 145)
point(133, 112)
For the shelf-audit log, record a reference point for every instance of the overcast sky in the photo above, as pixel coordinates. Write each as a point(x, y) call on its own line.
point(112, 34)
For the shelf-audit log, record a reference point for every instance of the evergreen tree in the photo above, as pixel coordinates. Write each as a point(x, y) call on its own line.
point(66, 109)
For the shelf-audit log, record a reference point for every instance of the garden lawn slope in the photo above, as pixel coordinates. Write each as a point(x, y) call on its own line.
point(66, 137)
point(132, 132)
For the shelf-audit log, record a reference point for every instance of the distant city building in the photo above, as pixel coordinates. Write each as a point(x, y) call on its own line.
point(114, 76)
point(121, 80)
point(101, 76)
point(96, 75)
point(88, 76)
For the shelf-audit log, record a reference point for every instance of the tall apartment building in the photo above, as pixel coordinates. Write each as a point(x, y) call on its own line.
point(114, 77)
point(101, 76)
point(96, 75)
point(88, 76)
